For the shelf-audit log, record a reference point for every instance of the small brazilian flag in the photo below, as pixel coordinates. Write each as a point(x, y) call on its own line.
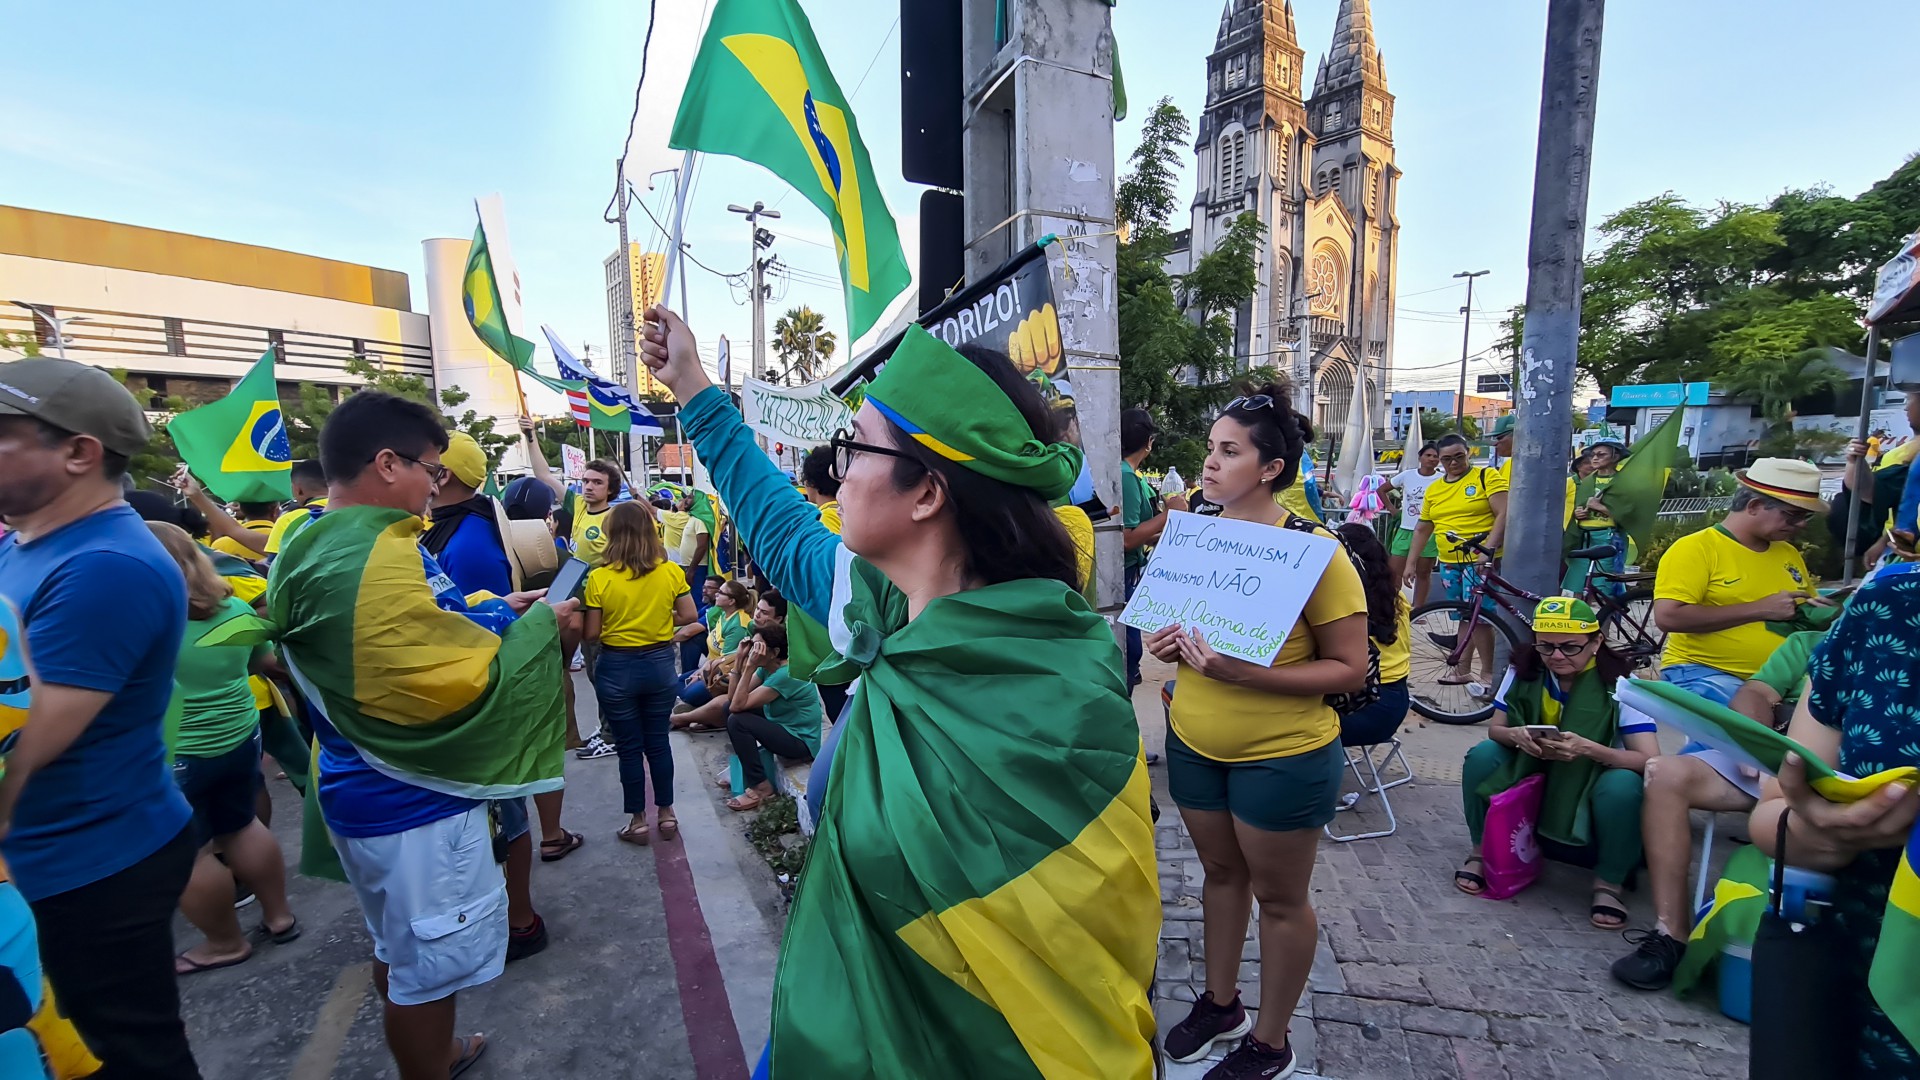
point(761, 91)
point(480, 293)
point(238, 445)
point(1895, 975)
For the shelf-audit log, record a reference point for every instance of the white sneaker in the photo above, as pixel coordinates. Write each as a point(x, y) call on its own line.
point(596, 747)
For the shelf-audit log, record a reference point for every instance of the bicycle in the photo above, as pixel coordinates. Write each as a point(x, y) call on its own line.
point(1444, 631)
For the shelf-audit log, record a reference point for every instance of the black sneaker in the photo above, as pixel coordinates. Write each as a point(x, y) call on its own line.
point(524, 943)
point(1255, 1060)
point(1192, 1038)
point(1653, 961)
point(242, 896)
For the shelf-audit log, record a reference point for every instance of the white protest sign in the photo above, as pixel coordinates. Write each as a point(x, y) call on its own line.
point(808, 415)
point(1240, 583)
point(573, 461)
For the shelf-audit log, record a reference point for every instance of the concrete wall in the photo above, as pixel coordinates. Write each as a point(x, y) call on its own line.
point(459, 358)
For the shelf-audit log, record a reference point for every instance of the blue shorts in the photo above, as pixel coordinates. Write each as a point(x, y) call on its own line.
point(510, 817)
point(1274, 794)
point(1459, 579)
point(222, 788)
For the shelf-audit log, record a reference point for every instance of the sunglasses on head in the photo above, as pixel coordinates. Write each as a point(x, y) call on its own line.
point(1563, 648)
point(1250, 403)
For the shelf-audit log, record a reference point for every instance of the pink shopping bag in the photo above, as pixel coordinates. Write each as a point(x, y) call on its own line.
point(1509, 853)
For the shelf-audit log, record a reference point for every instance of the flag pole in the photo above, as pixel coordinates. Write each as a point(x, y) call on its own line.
point(676, 232)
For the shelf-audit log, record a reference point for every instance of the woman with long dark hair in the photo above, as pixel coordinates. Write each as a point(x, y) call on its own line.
point(980, 896)
point(1592, 756)
point(1388, 616)
point(1254, 757)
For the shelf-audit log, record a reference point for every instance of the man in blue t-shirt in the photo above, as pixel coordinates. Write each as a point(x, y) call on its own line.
point(91, 823)
point(409, 852)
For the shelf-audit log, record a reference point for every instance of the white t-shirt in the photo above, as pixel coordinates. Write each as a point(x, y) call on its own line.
point(1413, 493)
point(690, 541)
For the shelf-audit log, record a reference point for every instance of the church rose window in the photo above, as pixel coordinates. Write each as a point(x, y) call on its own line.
point(1323, 282)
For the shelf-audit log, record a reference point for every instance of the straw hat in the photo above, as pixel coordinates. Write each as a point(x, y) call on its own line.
point(1796, 483)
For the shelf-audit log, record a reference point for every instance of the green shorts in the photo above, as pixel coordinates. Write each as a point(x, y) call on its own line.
point(1403, 543)
point(1274, 794)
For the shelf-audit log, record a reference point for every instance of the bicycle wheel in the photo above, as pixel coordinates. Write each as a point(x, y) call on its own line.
point(1629, 629)
point(1437, 646)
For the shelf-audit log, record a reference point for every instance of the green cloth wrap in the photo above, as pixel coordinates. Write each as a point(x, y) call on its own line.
point(948, 405)
point(1566, 814)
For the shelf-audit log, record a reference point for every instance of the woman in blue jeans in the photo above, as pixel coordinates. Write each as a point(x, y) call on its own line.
point(633, 603)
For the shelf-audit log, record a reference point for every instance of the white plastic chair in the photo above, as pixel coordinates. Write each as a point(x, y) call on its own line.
point(1379, 787)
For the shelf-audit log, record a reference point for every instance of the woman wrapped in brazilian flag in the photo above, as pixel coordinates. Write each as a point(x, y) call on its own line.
point(980, 898)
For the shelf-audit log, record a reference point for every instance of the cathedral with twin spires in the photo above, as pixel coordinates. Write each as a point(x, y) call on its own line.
point(1317, 167)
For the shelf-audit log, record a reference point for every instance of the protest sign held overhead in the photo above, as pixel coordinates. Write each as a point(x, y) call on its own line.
point(1241, 584)
point(808, 415)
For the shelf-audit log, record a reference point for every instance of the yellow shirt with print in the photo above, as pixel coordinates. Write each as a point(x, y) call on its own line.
point(227, 545)
point(1396, 656)
point(1462, 506)
point(590, 534)
point(830, 516)
point(1226, 722)
point(636, 610)
point(1712, 568)
point(285, 522)
point(1080, 530)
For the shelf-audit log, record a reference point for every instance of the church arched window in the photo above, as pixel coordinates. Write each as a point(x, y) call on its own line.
point(1233, 162)
point(1326, 281)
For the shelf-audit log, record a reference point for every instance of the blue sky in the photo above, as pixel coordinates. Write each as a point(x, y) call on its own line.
point(355, 129)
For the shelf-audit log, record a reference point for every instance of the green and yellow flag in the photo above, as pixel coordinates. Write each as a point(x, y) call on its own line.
point(981, 897)
point(1895, 975)
point(1739, 899)
point(426, 695)
point(238, 445)
point(761, 91)
point(487, 306)
point(1640, 483)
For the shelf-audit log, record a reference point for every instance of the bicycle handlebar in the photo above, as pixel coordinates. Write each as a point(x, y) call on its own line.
point(1471, 543)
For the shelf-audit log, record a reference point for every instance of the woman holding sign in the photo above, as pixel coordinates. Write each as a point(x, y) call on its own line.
point(1254, 757)
point(983, 868)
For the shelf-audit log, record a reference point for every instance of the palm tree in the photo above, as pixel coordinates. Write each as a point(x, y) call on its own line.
point(1779, 381)
point(803, 343)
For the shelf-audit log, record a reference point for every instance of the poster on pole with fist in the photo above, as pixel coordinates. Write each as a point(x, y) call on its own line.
point(1011, 309)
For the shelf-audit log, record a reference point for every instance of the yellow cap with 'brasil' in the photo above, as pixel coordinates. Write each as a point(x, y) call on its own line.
point(1564, 615)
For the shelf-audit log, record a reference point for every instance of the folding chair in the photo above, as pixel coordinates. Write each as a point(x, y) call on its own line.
point(1380, 786)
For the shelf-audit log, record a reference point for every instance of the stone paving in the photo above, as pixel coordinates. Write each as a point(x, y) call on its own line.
point(1415, 979)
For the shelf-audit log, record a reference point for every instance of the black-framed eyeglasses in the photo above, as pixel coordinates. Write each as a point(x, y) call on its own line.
point(436, 471)
point(1251, 402)
point(844, 447)
point(1795, 515)
point(1563, 648)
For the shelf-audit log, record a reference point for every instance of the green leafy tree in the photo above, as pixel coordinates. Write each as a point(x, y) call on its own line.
point(158, 459)
point(1176, 333)
point(24, 344)
point(308, 415)
point(803, 343)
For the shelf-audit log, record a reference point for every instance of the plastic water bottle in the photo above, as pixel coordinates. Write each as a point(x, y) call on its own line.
point(1172, 484)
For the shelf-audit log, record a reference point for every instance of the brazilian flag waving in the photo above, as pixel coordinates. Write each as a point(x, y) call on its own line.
point(238, 445)
point(761, 91)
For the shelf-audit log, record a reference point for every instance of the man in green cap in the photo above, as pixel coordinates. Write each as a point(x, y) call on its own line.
point(991, 704)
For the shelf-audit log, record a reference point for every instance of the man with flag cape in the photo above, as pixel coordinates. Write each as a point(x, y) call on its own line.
point(425, 704)
point(980, 898)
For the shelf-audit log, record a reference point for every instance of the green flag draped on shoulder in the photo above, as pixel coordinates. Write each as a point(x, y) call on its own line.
point(954, 877)
point(426, 695)
point(761, 91)
point(1633, 499)
point(238, 445)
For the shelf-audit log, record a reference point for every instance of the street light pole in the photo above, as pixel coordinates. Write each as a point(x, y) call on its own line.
point(59, 325)
point(1466, 338)
point(761, 239)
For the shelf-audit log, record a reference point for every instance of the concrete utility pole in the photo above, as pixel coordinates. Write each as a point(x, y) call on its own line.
point(1466, 337)
point(761, 239)
point(626, 360)
point(1543, 398)
point(1038, 101)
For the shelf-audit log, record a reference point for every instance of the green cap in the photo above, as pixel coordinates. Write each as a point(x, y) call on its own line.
point(1503, 426)
point(946, 404)
point(75, 397)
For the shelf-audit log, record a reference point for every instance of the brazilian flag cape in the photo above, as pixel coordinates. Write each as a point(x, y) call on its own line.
point(981, 896)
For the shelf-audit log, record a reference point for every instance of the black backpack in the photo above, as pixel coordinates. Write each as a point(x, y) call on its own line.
point(1352, 701)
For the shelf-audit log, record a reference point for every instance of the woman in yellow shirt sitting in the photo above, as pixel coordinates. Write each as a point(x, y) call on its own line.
point(1254, 758)
point(634, 600)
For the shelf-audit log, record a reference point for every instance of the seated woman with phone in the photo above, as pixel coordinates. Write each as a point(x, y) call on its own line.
point(1560, 719)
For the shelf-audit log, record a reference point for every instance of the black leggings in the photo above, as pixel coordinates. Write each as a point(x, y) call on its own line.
point(750, 731)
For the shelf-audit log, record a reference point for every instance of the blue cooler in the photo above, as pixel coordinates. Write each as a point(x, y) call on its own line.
point(1736, 982)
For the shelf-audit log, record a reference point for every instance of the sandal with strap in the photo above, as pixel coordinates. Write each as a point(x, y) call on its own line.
point(669, 827)
point(472, 1048)
point(1616, 911)
point(555, 850)
point(1463, 878)
point(745, 801)
point(641, 835)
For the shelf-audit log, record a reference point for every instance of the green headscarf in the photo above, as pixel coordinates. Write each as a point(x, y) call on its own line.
point(946, 404)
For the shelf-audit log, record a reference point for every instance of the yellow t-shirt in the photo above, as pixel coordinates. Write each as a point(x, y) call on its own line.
point(1396, 657)
point(673, 526)
point(1080, 530)
point(590, 534)
point(1901, 454)
point(1462, 506)
point(1710, 567)
point(284, 522)
point(635, 610)
point(1226, 722)
point(830, 516)
point(227, 545)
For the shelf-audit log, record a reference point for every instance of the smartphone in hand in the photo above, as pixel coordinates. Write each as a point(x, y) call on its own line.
point(567, 582)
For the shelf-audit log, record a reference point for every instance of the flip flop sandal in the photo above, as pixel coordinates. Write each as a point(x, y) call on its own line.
point(669, 828)
point(1463, 878)
point(278, 937)
point(641, 836)
point(1456, 680)
point(472, 1049)
point(195, 967)
point(555, 850)
point(1617, 910)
